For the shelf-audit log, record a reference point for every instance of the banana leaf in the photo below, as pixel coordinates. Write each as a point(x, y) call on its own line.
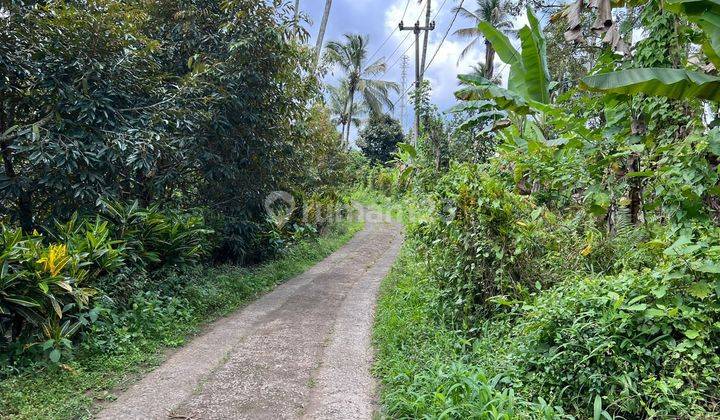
point(508, 54)
point(483, 118)
point(670, 83)
point(479, 88)
point(534, 57)
point(500, 42)
point(472, 106)
point(706, 14)
point(693, 8)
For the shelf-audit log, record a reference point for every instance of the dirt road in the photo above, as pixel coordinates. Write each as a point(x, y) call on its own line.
point(301, 351)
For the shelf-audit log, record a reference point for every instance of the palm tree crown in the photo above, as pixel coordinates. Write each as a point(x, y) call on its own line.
point(496, 12)
point(337, 102)
point(361, 78)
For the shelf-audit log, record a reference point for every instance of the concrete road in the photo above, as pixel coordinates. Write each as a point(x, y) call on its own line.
point(301, 351)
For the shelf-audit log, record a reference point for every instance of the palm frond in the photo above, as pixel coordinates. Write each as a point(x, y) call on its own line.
point(468, 48)
point(472, 32)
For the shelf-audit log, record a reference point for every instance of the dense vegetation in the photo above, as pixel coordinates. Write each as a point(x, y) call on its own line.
point(129, 342)
point(139, 142)
point(574, 269)
point(563, 251)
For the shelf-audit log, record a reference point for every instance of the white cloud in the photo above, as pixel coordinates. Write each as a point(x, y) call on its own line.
point(443, 71)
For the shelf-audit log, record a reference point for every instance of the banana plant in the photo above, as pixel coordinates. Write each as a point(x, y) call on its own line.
point(405, 158)
point(667, 82)
point(529, 82)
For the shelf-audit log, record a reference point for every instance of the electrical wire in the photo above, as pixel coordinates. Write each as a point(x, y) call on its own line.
point(395, 30)
point(447, 32)
point(444, 36)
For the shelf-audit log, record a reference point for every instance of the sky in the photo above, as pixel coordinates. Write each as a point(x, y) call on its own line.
point(379, 18)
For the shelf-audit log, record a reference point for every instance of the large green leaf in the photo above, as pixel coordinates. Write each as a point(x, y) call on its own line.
point(670, 83)
point(693, 8)
point(500, 42)
point(472, 106)
point(706, 14)
point(478, 88)
point(534, 56)
point(482, 118)
point(508, 54)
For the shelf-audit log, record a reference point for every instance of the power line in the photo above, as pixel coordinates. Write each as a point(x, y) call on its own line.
point(399, 45)
point(440, 8)
point(393, 32)
point(445, 36)
point(405, 11)
point(382, 45)
point(399, 57)
point(436, 51)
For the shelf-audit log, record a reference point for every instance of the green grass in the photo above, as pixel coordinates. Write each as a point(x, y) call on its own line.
point(120, 351)
point(404, 209)
point(425, 369)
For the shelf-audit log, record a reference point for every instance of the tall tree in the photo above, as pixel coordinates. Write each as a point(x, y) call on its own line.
point(378, 140)
point(496, 12)
point(350, 56)
point(323, 26)
point(337, 102)
point(296, 19)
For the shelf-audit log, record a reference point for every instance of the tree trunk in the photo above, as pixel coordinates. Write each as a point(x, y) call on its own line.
point(713, 201)
point(296, 18)
point(343, 121)
point(637, 128)
point(350, 116)
point(425, 40)
point(489, 60)
point(24, 198)
point(323, 27)
point(438, 153)
point(635, 189)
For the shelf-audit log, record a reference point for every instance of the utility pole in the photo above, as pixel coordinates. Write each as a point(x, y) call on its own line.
point(418, 74)
point(425, 38)
point(403, 68)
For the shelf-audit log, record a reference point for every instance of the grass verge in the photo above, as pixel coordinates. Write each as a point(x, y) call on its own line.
point(425, 369)
point(126, 345)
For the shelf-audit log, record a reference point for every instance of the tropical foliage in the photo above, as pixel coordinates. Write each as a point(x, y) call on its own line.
point(495, 12)
point(360, 78)
point(573, 270)
point(141, 138)
point(379, 139)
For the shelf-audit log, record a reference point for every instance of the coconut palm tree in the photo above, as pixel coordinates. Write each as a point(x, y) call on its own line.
point(479, 69)
point(498, 13)
point(323, 26)
point(296, 20)
point(337, 102)
point(361, 78)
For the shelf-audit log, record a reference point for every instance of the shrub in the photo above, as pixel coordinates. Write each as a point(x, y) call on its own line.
point(42, 293)
point(421, 361)
point(548, 307)
point(379, 139)
point(47, 284)
point(645, 342)
point(152, 238)
point(486, 242)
